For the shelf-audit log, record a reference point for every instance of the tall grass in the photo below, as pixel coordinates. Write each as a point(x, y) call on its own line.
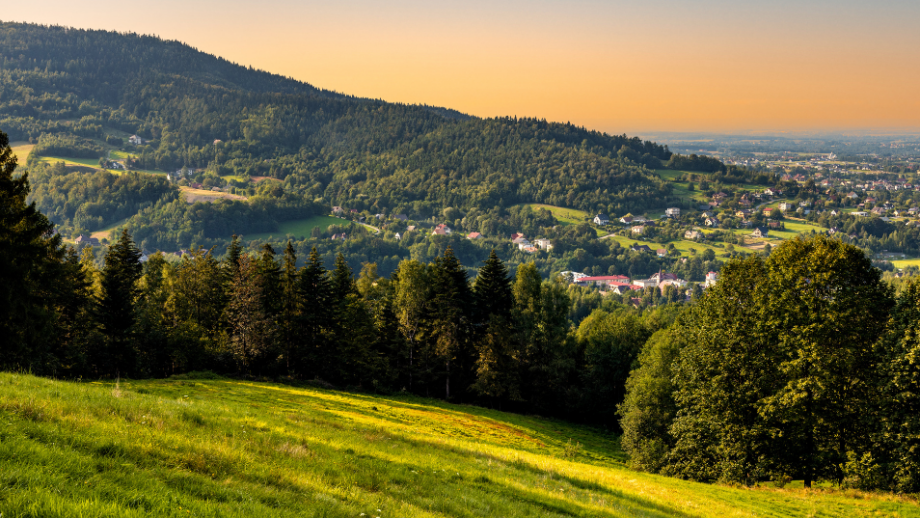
point(216, 447)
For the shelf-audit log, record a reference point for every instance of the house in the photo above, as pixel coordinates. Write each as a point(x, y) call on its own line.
point(661, 277)
point(379, 216)
point(705, 215)
point(397, 236)
point(217, 141)
point(852, 196)
point(769, 192)
point(711, 278)
point(661, 252)
point(640, 248)
point(544, 244)
point(645, 283)
point(86, 239)
point(626, 220)
point(441, 230)
point(337, 210)
point(601, 219)
point(516, 235)
point(573, 276)
point(767, 211)
point(672, 212)
point(523, 244)
point(474, 235)
point(712, 222)
point(785, 207)
point(410, 228)
point(401, 217)
point(773, 224)
point(529, 249)
point(621, 288)
point(743, 213)
point(602, 281)
point(760, 232)
point(638, 229)
point(693, 234)
point(859, 213)
point(135, 140)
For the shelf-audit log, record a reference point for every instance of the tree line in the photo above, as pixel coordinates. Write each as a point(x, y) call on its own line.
point(799, 366)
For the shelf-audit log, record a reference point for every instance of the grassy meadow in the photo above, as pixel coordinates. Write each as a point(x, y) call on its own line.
point(217, 447)
point(21, 149)
point(300, 227)
point(564, 215)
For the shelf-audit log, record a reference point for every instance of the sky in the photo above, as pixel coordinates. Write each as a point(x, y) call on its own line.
point(612, 65)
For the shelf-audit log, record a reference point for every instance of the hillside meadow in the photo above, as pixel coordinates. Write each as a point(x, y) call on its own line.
point(219, 447)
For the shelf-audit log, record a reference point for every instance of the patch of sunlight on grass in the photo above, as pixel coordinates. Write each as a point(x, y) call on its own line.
point(219, 447)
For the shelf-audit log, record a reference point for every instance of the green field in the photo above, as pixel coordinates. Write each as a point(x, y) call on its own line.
point(682, 245)
point(105, 232)
point(21, 149)
point(564, 215)
point(298, 228)
point(213, 447)
point(84, 162)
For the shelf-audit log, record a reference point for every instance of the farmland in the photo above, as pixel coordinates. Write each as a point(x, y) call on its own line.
point(202, 446)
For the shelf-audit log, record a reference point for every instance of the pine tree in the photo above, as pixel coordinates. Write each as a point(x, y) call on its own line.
point(117, 305)
point(30, 269)
point(316, 317)
point(291, 305)
point(497, 368)
point(449, 315)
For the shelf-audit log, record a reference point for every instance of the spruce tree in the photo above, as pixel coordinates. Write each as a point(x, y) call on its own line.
point(316, 317)
point(497, 367)
point(30, 271)
point(449, 315)
point(117, 304)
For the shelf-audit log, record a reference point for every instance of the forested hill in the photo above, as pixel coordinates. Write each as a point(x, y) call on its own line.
point(100, 86)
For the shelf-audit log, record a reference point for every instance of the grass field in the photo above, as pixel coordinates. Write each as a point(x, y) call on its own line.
point(207, 196)
point(234, 448)
point(564, 215)
point(903, 263)
point(682, 245)
point(21, 149)
point(298, 228)
point(104, 233)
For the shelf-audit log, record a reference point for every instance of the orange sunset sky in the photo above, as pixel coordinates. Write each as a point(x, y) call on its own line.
point(657, 65)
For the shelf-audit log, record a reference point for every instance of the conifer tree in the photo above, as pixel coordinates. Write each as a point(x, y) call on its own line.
point(117, 305)
point(497, 367)
point(290, 308)
point(30, 259)
point(316, 317)
point(449, 315)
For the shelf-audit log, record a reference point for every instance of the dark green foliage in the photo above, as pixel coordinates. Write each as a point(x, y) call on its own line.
point(84, 202)
point(42, 291)
point(72, 146)
point(116, 307)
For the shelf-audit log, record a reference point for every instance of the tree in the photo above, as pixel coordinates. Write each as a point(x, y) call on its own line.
point(448, 313)
point(409, 304)
point(116, 307)
point(30, 270)
point(291, 305)
point(250, 328)
point(827, 306)
point(316, 316)
point(497, 368)
point(649, 407)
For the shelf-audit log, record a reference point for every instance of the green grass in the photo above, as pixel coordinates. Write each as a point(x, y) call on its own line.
point(298, 228)
point(212, 447)
point(105, 232)
point(21, 149)
point(564, 215)
point(682, 245)
point(83, 162)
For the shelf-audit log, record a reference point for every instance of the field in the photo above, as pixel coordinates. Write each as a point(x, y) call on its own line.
point(682, 245)
point(300, 227)
point(21, 150)
point(104, 233)
point(904, 263)
point(564, 215)
point(206, 196)
point(214, 447)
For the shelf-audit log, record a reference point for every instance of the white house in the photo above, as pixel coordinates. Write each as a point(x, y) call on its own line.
point(544, 244)
point(601, 219)
point(711, 278)
point(673, 212)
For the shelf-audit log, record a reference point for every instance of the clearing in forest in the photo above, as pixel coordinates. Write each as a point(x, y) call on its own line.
point(207, 196)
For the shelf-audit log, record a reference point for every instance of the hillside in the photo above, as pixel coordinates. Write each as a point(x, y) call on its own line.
point(212, 447)
point(79, 94)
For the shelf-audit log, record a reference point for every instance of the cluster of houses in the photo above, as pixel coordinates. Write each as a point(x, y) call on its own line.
point(622, 284)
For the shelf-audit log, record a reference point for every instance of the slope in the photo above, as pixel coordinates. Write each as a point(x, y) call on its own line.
point(214, 447)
